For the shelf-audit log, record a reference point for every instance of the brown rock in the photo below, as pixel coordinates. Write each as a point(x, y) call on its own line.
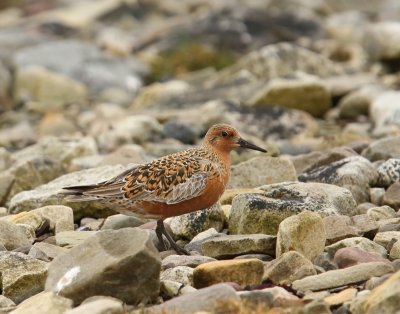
point(392, 196)
point(350, 256)
point(243, 272)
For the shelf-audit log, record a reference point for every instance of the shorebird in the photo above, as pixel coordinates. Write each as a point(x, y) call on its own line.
point(176, 184)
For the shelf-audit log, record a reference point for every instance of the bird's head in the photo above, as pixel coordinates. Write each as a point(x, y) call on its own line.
point(224, 137)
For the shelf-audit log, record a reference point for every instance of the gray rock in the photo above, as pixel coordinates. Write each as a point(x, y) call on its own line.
point(49, 89)
point(183, 260)
point(5, 159)
point(18, 136)
point(389, 172)
point(6, 302)
point(288, 267)
point(354, 173)
point(35, 221)
point(358, 242)
point(49, 194)
point(170, 289)
point(188, 225)
point(12, 236)
point(376, 194)
point(45, 251)
point(181, 274)
point(207, 299)
point(60, 217)
point(384, 36)
point(82, 62)
point(395, 251)
point(304, 233)
point(182, 132)
point(101, 305)
point(136, 129)
point(21, 276)
point(233, 245)
point(342, 277)
point(196, 243)
point(70, 239)
point(129, 268)
point(120, 221)
point(263, 212)
point(275, 297)
point(260, 171)
point(44, 302)
point(315, 97)
point(385, 148)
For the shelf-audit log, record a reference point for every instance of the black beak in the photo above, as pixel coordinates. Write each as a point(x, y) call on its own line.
point(245, 144)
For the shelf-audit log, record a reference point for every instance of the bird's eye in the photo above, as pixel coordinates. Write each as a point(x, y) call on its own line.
point(224, 134)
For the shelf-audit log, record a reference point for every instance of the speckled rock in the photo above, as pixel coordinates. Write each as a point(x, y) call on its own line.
point(354, 173)
point(243, 272)
point(233, 245)
point(21, 276)
point(304, 233)
point(342, 277)
point(263, 212)
point(381, 213)
point(260, 171)
point(358, 242)
point(44, 302)
point(181, 274)
point(12, 236)
point(129, 268)
point(288, 267)
point(389, 172)
point(49, 194)
point(189, 225)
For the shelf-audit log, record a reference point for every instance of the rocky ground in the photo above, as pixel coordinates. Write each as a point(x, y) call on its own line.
point(89, 87)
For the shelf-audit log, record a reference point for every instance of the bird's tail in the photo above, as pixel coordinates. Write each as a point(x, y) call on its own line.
point(77, 193)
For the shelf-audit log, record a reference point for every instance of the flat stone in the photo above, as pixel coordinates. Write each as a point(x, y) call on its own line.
point(6, 302)
point(260, 171)
point(288, 267)
point(358, 242)
point(386, 238)
point(381, 213)
point(350, 256)
point(233, 245)
point(338, 228)
point(342, 277)
point(45, 251)
point(129, 268)
point(243, 272)
point(276, 297)
point(44, 302)
point(203, 300)
point(196, 243)
point(102, 305)
point(73, 238)
point(21, 276)
point(304, 233)
point(384, 298)
point(184, 260)
point(229, 194)
point(12, 236)
point(28, 218)
point(181, 274)
point(263, 212)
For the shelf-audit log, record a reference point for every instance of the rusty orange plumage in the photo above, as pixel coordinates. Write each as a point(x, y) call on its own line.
point(172, 185)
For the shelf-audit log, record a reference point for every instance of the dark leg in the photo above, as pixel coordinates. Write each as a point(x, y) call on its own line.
point(159, 233)
point(160, 230)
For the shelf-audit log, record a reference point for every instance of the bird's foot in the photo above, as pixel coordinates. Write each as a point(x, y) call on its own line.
point(160, 231)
